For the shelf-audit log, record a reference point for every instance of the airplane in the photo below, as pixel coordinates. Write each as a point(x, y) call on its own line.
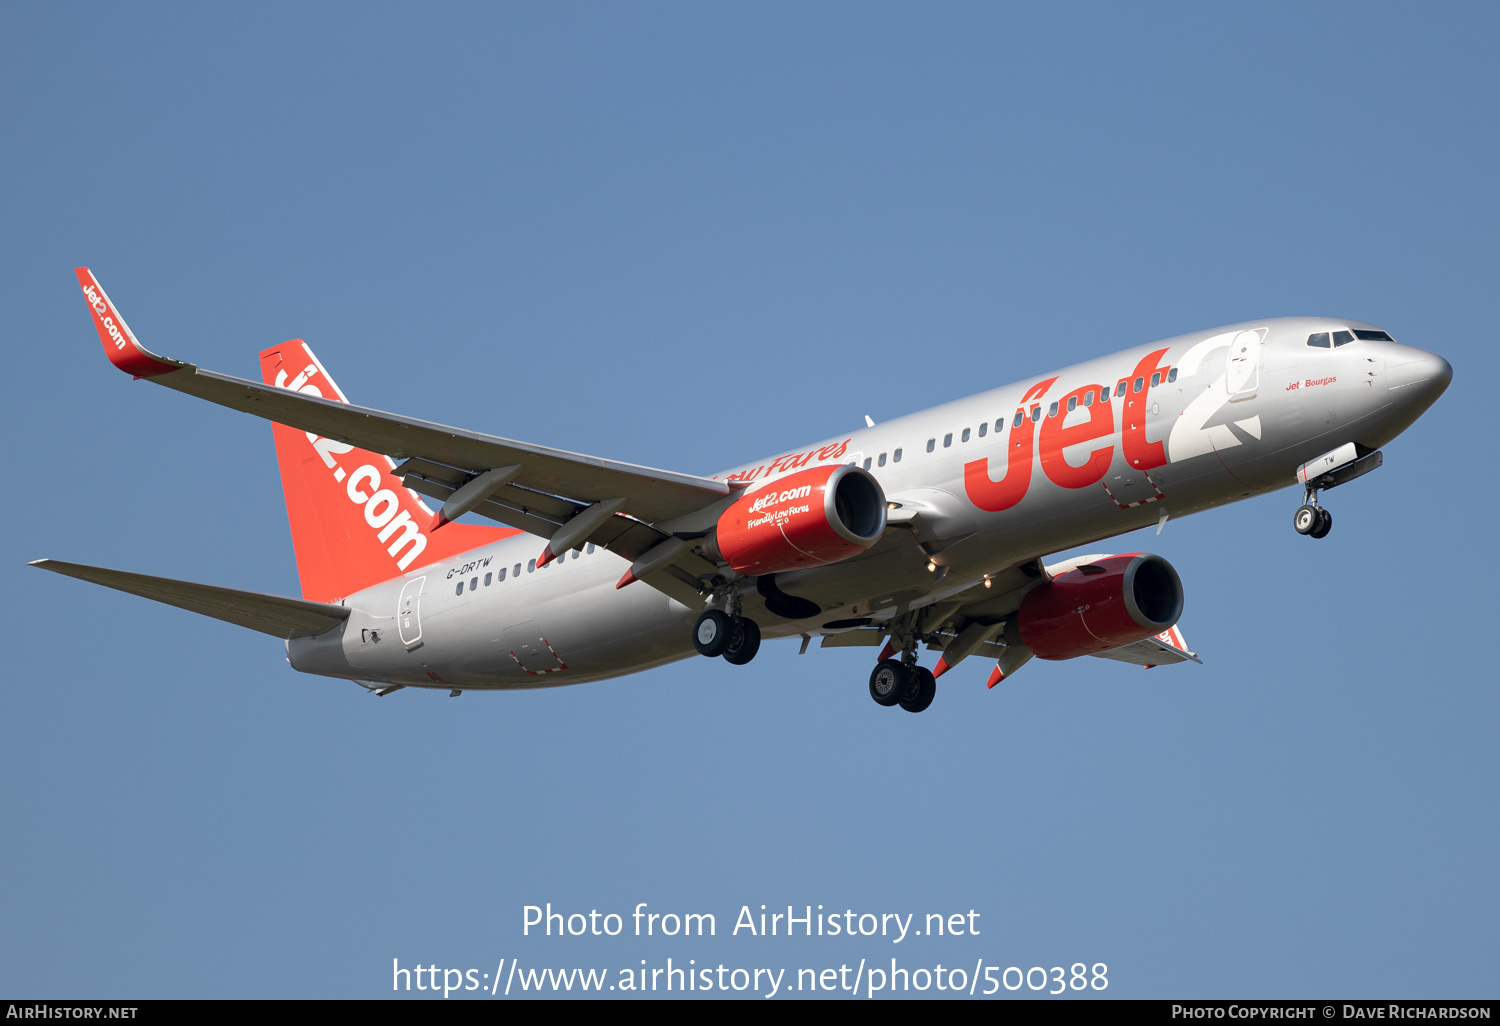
point(931, 529)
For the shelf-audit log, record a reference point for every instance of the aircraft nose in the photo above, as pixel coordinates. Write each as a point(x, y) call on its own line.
point(1415, 376)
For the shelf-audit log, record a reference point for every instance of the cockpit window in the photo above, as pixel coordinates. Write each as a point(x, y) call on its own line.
point(1319, 341)
point(1342, 338)
point(1372, 336)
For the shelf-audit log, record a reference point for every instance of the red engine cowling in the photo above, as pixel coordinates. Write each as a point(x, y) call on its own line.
point(805, 519)
point(1110, 602)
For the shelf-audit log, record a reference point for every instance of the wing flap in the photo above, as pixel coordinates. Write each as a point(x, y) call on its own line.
point(542, 515)
point(1167, 647)
point(270, 614)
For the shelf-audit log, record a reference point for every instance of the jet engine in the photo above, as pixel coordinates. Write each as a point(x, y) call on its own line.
point(809, 518)
point(1114, 601)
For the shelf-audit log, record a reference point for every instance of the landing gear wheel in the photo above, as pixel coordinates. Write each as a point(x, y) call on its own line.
point(744, 642)
point(712, 633)
point(1306, 519)
point(922, 690)
point(889, 682)
point(1324, 524)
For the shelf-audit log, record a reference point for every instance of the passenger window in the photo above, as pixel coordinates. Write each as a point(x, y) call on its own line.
point(948, 439)
point(1019, 417)
point(965, 436)
point(1171, 375)
point(576, 553)
point(1052, 410)
point(1088, 398)
point(984, 429)
point(1342, 338)
point(1103, 395)
point(460, 589)
point(1372, 336)
point(880, 462)
point(1140, 383)
point(531, 566)
point(500, 576)
point(487, 579)
point(1319, 341)
point(1156, 379)
point(517, 571)
point(1120, 388)
point(1072, 403)
point(1036, 414)
point(473, 583)
point(589, 548)
point(867, 462)
point(896, 456)
point(931, 444)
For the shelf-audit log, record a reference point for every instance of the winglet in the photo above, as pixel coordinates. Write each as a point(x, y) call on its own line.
point(996, 676)
point(120, 344)
point(940, 669)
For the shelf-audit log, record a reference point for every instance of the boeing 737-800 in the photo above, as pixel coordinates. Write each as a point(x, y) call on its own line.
point(931, 529)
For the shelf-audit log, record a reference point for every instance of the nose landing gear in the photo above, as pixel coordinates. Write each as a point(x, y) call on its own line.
point(1311, 519)
point(1333, 468)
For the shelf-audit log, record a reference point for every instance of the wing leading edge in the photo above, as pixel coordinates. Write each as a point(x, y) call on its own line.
point(650, 494)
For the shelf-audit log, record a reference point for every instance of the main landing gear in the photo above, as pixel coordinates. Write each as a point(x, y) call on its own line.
point(902, 682)
point(735, 637)
point(1311, 519)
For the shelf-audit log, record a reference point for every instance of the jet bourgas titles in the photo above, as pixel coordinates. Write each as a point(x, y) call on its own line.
point(928, 532)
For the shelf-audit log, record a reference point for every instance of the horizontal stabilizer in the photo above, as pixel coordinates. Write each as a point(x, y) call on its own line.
point(269, 614)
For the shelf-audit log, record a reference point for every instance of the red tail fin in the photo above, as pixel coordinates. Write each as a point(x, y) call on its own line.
point(353, 523)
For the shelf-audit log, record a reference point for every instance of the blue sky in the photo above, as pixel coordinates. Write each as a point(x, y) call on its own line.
point(689, 236)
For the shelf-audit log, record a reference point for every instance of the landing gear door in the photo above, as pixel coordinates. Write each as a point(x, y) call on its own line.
point(1242, 373)
point(409, 613)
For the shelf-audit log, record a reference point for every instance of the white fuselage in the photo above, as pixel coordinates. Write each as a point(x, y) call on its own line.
point(1236, 411)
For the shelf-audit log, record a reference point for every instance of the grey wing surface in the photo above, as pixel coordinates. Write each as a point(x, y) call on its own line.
point(650, 494)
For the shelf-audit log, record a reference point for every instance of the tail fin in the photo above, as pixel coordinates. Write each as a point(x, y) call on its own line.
point(353, 523)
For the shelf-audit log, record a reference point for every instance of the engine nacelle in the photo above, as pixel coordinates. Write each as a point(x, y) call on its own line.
point(1101, 605)
point(809, 518)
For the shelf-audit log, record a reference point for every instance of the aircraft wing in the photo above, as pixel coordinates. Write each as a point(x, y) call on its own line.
point(648, 494)
point(1167, 647)
point(269, 614)
point(972, 621)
